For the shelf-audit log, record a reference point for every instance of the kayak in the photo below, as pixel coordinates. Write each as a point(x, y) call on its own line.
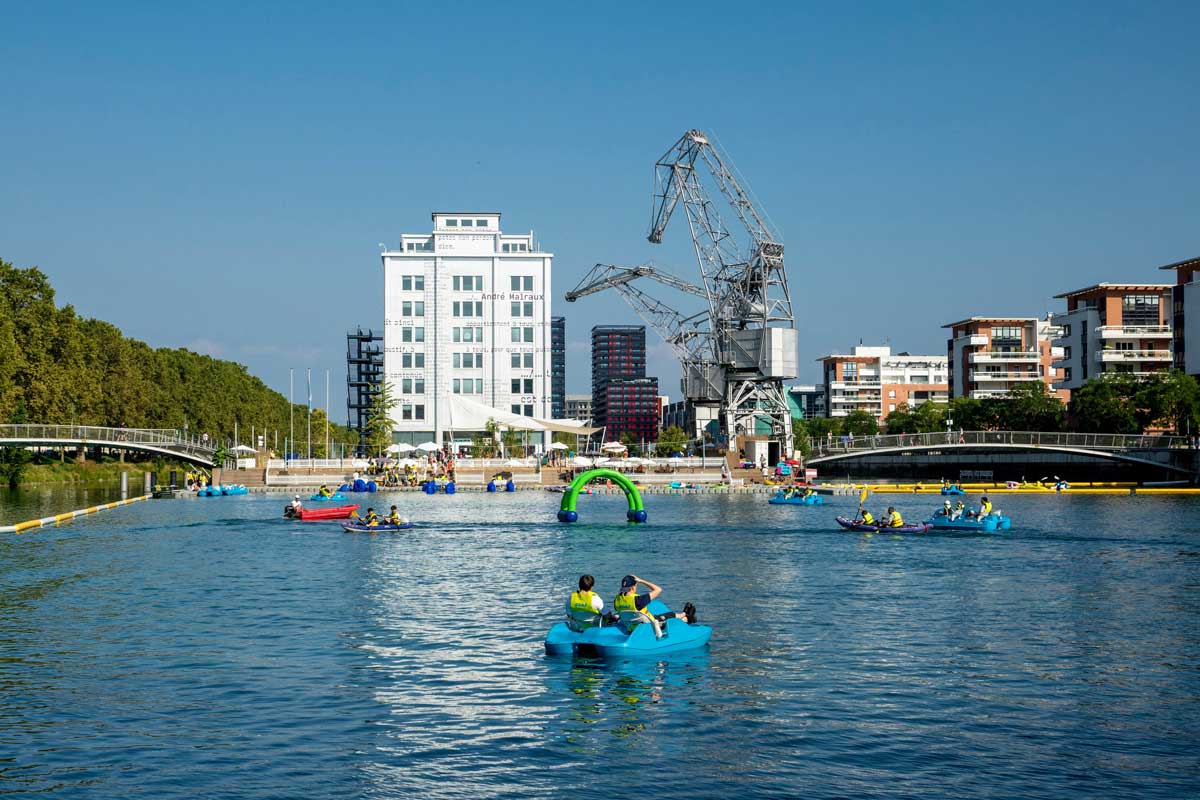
point(796, 500)
point(320, 498)
point(611, 641)
point(989, 524)
point(358, 527)
point(849, 524)
point(310, 514)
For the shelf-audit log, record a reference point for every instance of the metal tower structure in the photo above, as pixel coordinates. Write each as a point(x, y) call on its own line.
point(737, 354)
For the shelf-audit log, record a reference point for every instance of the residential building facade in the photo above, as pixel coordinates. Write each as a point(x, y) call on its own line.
point(624, 400)
point(558, 367)
point(466, 312)
point(988, 356)
point(1113, 328)
point(874, 380)
point(807, 401)
point(579, 406)
point(1185, 297)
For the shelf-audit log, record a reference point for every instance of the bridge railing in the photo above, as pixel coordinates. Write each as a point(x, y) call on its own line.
point(163, 438)
point(1088, 441)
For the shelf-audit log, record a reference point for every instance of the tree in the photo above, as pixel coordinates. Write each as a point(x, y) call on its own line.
point(1177, 402)
point(14, 459)
point(1031, 407)
point(801, 437)
point(1099, 407)
point(820, 427)
point(630, 441)
point(672, 440)
point(860, 423)
point(377, 431)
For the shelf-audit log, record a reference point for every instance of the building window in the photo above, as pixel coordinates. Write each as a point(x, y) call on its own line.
point(529, 411)
point(1067, 373)
point(457, 334)
point(406, 282)
point(457, 386)
point(419, 308)
point(481, 223)
point(406, 308)
point(419, 334)
point(451, 223)
point(516, 408)
point(527, 334)
point(528, 360)
point(406, 360)
point(529, 386)
point(892, 394)
point(1006, 336)
point(516, 360)
point(516, 334)
point(406, 411)
point(406, 334)
point(516, 385)
point(419, 411)
point(1139, 309)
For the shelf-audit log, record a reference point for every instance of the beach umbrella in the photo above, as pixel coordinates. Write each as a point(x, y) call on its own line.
point(428, 447)
point(614, 447)
point(601, 460)
point(241, 448)
point(581, 461)
point(392, 448)
point(559, 446)
point(403, 448)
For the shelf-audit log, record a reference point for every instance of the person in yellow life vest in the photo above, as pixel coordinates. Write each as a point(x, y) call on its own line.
point(808, 491)
point(865, 517)
point(324, 491)
point(371, 520)
point(632, 603)
point(394, 518)
point(892, 519)
point(584, 606)
point(985, 507)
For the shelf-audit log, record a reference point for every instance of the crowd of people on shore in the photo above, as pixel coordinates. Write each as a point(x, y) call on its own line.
point(412, 472)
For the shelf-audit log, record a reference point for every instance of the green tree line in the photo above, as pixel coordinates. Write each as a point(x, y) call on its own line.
point(59, 368)
point(1110, 403)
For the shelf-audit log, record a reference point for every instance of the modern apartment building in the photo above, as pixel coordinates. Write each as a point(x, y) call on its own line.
point(991, 355)
point(579, 406)
point(1185, 297)
point(466, 313)
point(624, 400)
point(558, 367)
point(1113, 327)
point(873, 380)
point(807, 401)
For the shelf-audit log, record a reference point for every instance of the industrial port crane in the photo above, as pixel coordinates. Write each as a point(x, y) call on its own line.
point(737, 354)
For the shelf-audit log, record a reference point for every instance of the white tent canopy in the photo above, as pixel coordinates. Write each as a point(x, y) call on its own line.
point(392, 448)
point(559, 446)
point(402, 448)
point(428, 447)
point(614, 447)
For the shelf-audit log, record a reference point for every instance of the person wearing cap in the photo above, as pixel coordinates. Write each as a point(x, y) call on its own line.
point(296, 505)
point(945, 510)
point(630, 600)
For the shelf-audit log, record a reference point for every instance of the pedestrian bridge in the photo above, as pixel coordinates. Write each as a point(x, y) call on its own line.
point(1175, 454)
point(155, 441)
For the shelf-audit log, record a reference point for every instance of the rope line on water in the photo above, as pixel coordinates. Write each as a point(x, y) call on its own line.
point(67, 516)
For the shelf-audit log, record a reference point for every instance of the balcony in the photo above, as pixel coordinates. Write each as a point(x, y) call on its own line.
point(980, 375)
point(1108, 356)
point(996, 356)
point(852, 384)
point(1134, 331)
point(972, 340)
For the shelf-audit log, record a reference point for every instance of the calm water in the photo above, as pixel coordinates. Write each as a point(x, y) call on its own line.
point(203, 648)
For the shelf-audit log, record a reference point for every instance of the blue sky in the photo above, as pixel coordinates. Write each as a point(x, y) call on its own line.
point(220, 177)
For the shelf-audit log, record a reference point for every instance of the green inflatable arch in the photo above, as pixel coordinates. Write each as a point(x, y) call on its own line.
point(567, 512)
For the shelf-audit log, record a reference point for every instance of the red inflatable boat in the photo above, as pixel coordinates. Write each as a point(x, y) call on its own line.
point(310, 514)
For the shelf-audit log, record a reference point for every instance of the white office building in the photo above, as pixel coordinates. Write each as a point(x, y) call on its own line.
point(466, 324)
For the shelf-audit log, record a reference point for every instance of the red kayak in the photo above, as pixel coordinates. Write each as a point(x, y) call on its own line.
point(310, 514)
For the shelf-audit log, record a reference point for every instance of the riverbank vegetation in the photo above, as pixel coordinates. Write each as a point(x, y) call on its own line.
point(59, 368)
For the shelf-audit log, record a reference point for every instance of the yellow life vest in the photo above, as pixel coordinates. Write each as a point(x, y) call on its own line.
point(985, 508)
point(897, 520)
point(867, 518)
point(372, 519)
point(581, 603)
point(628, 602)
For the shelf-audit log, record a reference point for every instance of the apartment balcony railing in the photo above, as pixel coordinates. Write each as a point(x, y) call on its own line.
point(1142, 331)
point(972, 340)
point(1089, 441)
point(1105, 356)
point(981, 375)
point(991, 356)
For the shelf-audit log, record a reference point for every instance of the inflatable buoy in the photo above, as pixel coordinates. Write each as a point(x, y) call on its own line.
point(371, 486)
point(450, 487)
point(430, 488)
point(510, 487)
point(345, 487)
point(491, 487)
